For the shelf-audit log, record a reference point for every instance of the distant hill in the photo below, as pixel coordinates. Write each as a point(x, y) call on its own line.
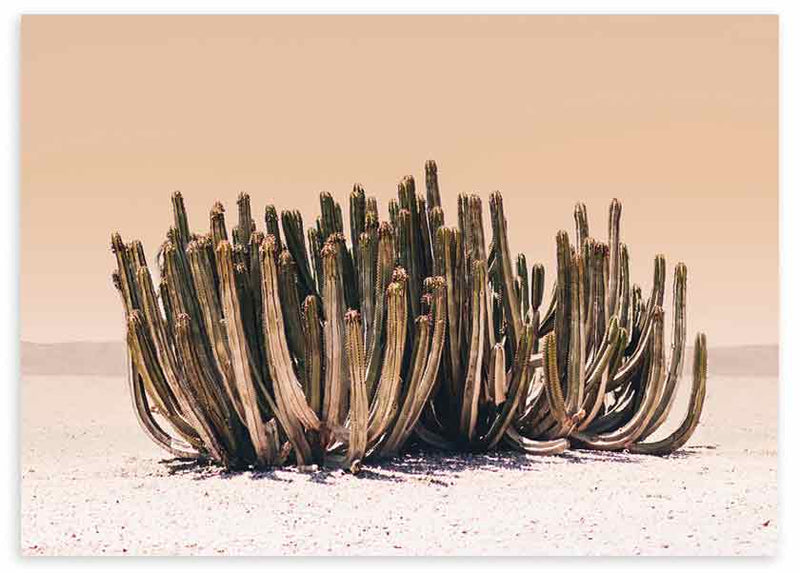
point(740, 360)
point(73, 358)
point(109, 358)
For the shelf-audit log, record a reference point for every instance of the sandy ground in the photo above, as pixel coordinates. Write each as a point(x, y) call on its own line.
point(92, 483)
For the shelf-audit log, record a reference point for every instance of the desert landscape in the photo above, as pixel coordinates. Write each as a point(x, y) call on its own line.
point(92, 483)
point(568, 116)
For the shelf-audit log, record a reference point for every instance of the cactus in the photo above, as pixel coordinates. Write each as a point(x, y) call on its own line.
point(288, 345)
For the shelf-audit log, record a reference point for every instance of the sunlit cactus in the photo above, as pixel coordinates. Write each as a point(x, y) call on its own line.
point(289, 346)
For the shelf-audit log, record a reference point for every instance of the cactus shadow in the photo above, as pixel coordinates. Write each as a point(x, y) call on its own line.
point(424, 464)
point(203, 470)
point(181, 466)
point(434, 463)
point(595, 456)
point(369, 474)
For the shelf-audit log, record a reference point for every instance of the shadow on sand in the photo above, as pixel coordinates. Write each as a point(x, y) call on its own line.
point(434, 467)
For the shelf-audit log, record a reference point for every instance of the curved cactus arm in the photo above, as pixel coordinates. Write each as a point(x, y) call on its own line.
point(419, 234)
point(169, 313)
point(290, 304)
point(394, 208)
point(315, 248)
point(405, 257)
point(180, 236)
point(368, 257)
point(617, 358)
point(383, 276)
point(180, 288)
point(246, 224)
point(588, 311)
point(480, 254)
point(328, 221)
point(534, 447)
point(463, 221)
point(435, 222)
point(581, 224)
point(347, 274)
point(600, 279)
point(612, 294)
point(125, 277)
point(146, 371)
point(416, 402)
point(418, 360)
point(511, 304)
point(426, 239)
point(676, 360)
point(432, 185)
point(253, 303)
point(212, 317)
point(681, 435)
point(576, 374)
point(434, 439)
point(211, 380)
point(294, 236)
point(163, 346)
point(295, 414)
point(552, 381)
point(358, 214)
point(312, 332)
point(148, 423)
point(524, 286)
point(272, 228)
point(624, 305)
point(359, 405)
point(536, 400)
point(125, 280)
point(594, 398)
point(334, 390)
point(562, 325)
point(543, 425)
point(547, 323)
point(601, 358)
point(181, 221)
point(625, 403)
point(472, 383)
point(497, 382)
point(633, 429)
point(447, 243)
point(634, 364)
point(636, 319)
point(287, 386)
point(247, 379)
point(659, 280)
point(212, 428)
point(217, 221)
point(384, 404)
point(537, 287)
point(643, 312)
point(561, 420)
point(163, 379)
point(371, 218)
point(518, 387)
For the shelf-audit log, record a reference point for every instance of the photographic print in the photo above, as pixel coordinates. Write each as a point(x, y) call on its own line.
point(399, 285)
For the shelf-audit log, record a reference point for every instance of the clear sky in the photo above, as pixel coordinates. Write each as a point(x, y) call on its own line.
point(675, 115)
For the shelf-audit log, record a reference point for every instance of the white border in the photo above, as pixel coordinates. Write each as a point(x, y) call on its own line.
point(790, 240)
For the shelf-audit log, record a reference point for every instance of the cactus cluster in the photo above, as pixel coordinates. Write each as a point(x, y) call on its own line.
point(263, 348)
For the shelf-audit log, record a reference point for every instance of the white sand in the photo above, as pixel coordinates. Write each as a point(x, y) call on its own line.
point(92, 483)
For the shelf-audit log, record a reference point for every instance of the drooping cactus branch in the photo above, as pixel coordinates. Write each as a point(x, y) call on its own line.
point(289, 345)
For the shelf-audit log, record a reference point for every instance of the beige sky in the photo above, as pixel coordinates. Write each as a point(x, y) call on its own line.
point(675, 115)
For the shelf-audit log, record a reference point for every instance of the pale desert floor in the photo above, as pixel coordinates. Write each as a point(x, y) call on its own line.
point(92, 483)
